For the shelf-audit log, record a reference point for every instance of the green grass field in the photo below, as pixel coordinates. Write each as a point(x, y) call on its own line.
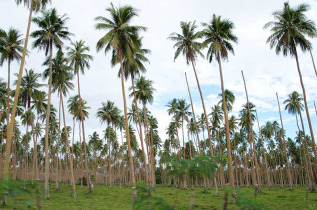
point(115, 198)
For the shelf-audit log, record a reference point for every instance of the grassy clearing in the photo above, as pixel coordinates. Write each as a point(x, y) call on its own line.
point(115, 198)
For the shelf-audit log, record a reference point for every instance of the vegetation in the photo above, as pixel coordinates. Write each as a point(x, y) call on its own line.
point(186, 170)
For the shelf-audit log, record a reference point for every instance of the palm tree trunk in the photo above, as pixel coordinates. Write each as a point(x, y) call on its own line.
point(47, 167)
point(312, 58)
point(306, 107)
point(194, 116)
point(141, 134)
point(132, 179)
point(16, 97)
point(315, 107)
point(284, 147)
point(231, 178)
point(68, 150)
point(84, 139)
point(109, 156)
point(81, 157)
point(8, 98)
point(251, 135)
point(57, 149)
point(264, 156)
point(206, 118)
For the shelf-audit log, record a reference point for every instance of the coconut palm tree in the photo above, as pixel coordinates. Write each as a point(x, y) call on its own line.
point(182, 113)
point(289, 30)
point(187, 43)
point(10, 50)
point(123, 39)
point(108, 113)
point(29, 91)
point(134, 67)
point(144, 92)
point(62, 84)
point(229, 99)
point(79, 60)
point(51, 33)
point(79, 115)
point(33, 5)
point(293, 105)
point(219, 36)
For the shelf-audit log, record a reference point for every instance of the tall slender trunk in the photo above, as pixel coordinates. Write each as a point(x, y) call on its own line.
point(251, 135)
point(84, 138)
point(141, 134)
point(68, 150)
point(26, 150)
point(8, 99)
point(306, 107)
point(206, 118)
point(48, 110)
point(264, 155)
point(312, 58)
point(81, 157)
point(231, 178)
point(16, 98)
point(57, 149)
point(284, 147)
point(109, 155)
point(194, 116)
point(315, 107)
point(132, 179)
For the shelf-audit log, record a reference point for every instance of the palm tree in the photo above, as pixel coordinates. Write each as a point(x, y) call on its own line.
point(134, 67)
point(108, 113)
point(29, 91)
point(194, 116)
point(122, 38)
point(61, 83)
point(79, 60)
point(218, 37)
point(33, 5)
point(52, 31)
point(294, 106)
point(144, 92)
point(284, 147)
point(78, 114)
point(187, 44)
point(229, 99)
point(289, 30)
point(10, 50)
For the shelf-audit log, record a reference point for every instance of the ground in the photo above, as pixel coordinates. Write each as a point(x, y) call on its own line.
point(166, 197)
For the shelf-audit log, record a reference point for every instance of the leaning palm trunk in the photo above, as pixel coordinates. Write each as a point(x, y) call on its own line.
point(231, 178)
point(8, 98)
point(48, 110)
point(284, 148)
point(83, 129)
point(306, 107)
point(312, 58)
point(141, 134)
point(251, 136)
point(57, 148)
point(68, 150)
point(194, 117)
point(132, 179)
point(16, 97)
point(264, 155)
point(207, 124)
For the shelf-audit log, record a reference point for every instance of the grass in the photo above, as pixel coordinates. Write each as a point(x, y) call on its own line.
point(115, 198)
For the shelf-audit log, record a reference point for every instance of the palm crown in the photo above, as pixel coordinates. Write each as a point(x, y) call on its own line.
point(186, 43)
point(218, 35)
point(290, 28)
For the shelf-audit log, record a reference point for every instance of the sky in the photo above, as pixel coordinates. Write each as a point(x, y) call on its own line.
point(265, 72)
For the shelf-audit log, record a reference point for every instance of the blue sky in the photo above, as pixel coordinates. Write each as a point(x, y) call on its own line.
point(265, 72)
